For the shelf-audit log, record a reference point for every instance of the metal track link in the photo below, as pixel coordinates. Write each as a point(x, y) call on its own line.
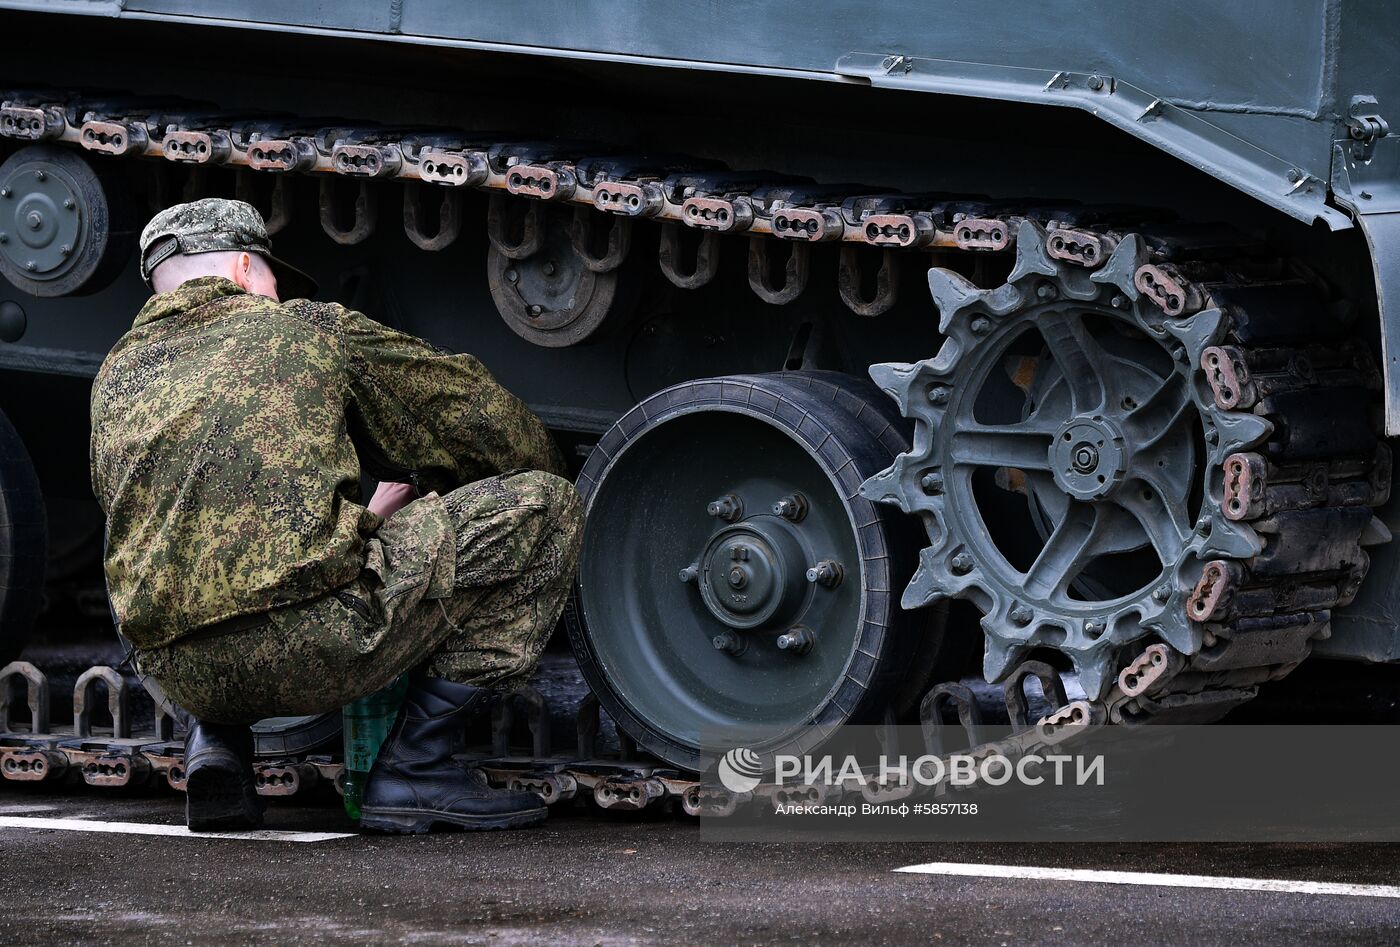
point(115, 758)
point(1303, 493)
point(673, 189)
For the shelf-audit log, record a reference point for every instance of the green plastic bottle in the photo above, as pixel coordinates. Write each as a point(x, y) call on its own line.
point(366, 723)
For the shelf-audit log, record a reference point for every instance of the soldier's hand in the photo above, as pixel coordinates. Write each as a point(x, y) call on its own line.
point(389, 498)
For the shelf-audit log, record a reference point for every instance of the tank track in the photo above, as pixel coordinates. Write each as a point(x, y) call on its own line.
point(117, 758)
point(681, 193)
point(1297, 465)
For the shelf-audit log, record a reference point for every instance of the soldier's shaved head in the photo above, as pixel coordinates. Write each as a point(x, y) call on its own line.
point(231, 231)
point(248, 270)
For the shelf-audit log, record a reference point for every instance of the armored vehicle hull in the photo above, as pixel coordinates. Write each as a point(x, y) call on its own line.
point(842, 311)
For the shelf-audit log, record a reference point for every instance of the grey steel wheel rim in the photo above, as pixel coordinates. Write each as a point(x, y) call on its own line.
point(687, 701)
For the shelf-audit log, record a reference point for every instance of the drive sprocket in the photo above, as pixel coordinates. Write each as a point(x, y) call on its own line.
point(1068, 459)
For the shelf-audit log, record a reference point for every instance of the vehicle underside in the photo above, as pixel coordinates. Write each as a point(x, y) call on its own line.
point(823, 356)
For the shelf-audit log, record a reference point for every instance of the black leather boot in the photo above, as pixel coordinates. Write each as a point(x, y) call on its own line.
point(415, 783)
point(219, 790)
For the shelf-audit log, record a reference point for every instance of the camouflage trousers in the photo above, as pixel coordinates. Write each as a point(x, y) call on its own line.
point(468, 586)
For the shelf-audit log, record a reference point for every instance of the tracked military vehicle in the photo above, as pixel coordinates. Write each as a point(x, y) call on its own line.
point(1085, 316)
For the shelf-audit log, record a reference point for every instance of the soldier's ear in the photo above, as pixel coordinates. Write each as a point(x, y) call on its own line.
point(243, 270)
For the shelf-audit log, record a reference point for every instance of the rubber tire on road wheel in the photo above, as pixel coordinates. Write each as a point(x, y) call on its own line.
point(644, 502)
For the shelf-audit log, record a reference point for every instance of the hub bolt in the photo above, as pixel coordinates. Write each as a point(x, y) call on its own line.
point(728, 508)
point(536, 310)
point(68, 203)
point(31, 266)
point(1046, 291)
point(932, 483)
point(981, 326)
point(549, 268)
point(827, 573)
point(729, 643)
point(35, 220)
point(938, 394)
point(1093, 627)
point(5, 192)
point(41, 175)
point(512, 276)
point(65, 250)
point(1086, 458)
point(1021, 615)
point(737, 578)
point(962, 564)
point(690, 573)
point(792, 508)
point(797, 640)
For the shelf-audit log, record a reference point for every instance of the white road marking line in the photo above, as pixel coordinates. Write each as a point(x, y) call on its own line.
point(1032, 873)
point(178, 831)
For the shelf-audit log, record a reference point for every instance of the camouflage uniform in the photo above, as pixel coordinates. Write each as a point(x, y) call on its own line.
point(228, 434)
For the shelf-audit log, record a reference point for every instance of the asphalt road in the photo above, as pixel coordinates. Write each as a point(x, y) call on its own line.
point(589, 878)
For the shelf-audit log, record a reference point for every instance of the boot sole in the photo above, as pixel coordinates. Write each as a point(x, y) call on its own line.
point(419, 821)
point(220, 796)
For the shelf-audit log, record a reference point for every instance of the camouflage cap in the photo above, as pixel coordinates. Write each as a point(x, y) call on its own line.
point(212, 224)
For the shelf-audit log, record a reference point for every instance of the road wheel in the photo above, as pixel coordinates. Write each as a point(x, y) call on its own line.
point(734, 587)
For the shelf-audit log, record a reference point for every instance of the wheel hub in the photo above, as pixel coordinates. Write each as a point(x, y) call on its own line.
point(752, 573)
point(1089, 458)
point(40, 222)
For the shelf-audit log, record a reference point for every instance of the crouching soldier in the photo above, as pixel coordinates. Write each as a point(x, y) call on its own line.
point(229, 429)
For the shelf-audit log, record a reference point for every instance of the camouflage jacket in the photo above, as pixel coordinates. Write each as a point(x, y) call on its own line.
point(225, 429)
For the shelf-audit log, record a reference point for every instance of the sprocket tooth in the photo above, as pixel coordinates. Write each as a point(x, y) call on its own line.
point(1376, 533)
point(883, 487)
point(1206, 328)
point(952, 292)
point(904, 478)
point(1031, 256)
point(1183, 636)
point(923, 588)
point(1123, 265)
point(1230, 540)
point(998, 656)
point(894, 378)
point(1096, 675)
point(1238, 432)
